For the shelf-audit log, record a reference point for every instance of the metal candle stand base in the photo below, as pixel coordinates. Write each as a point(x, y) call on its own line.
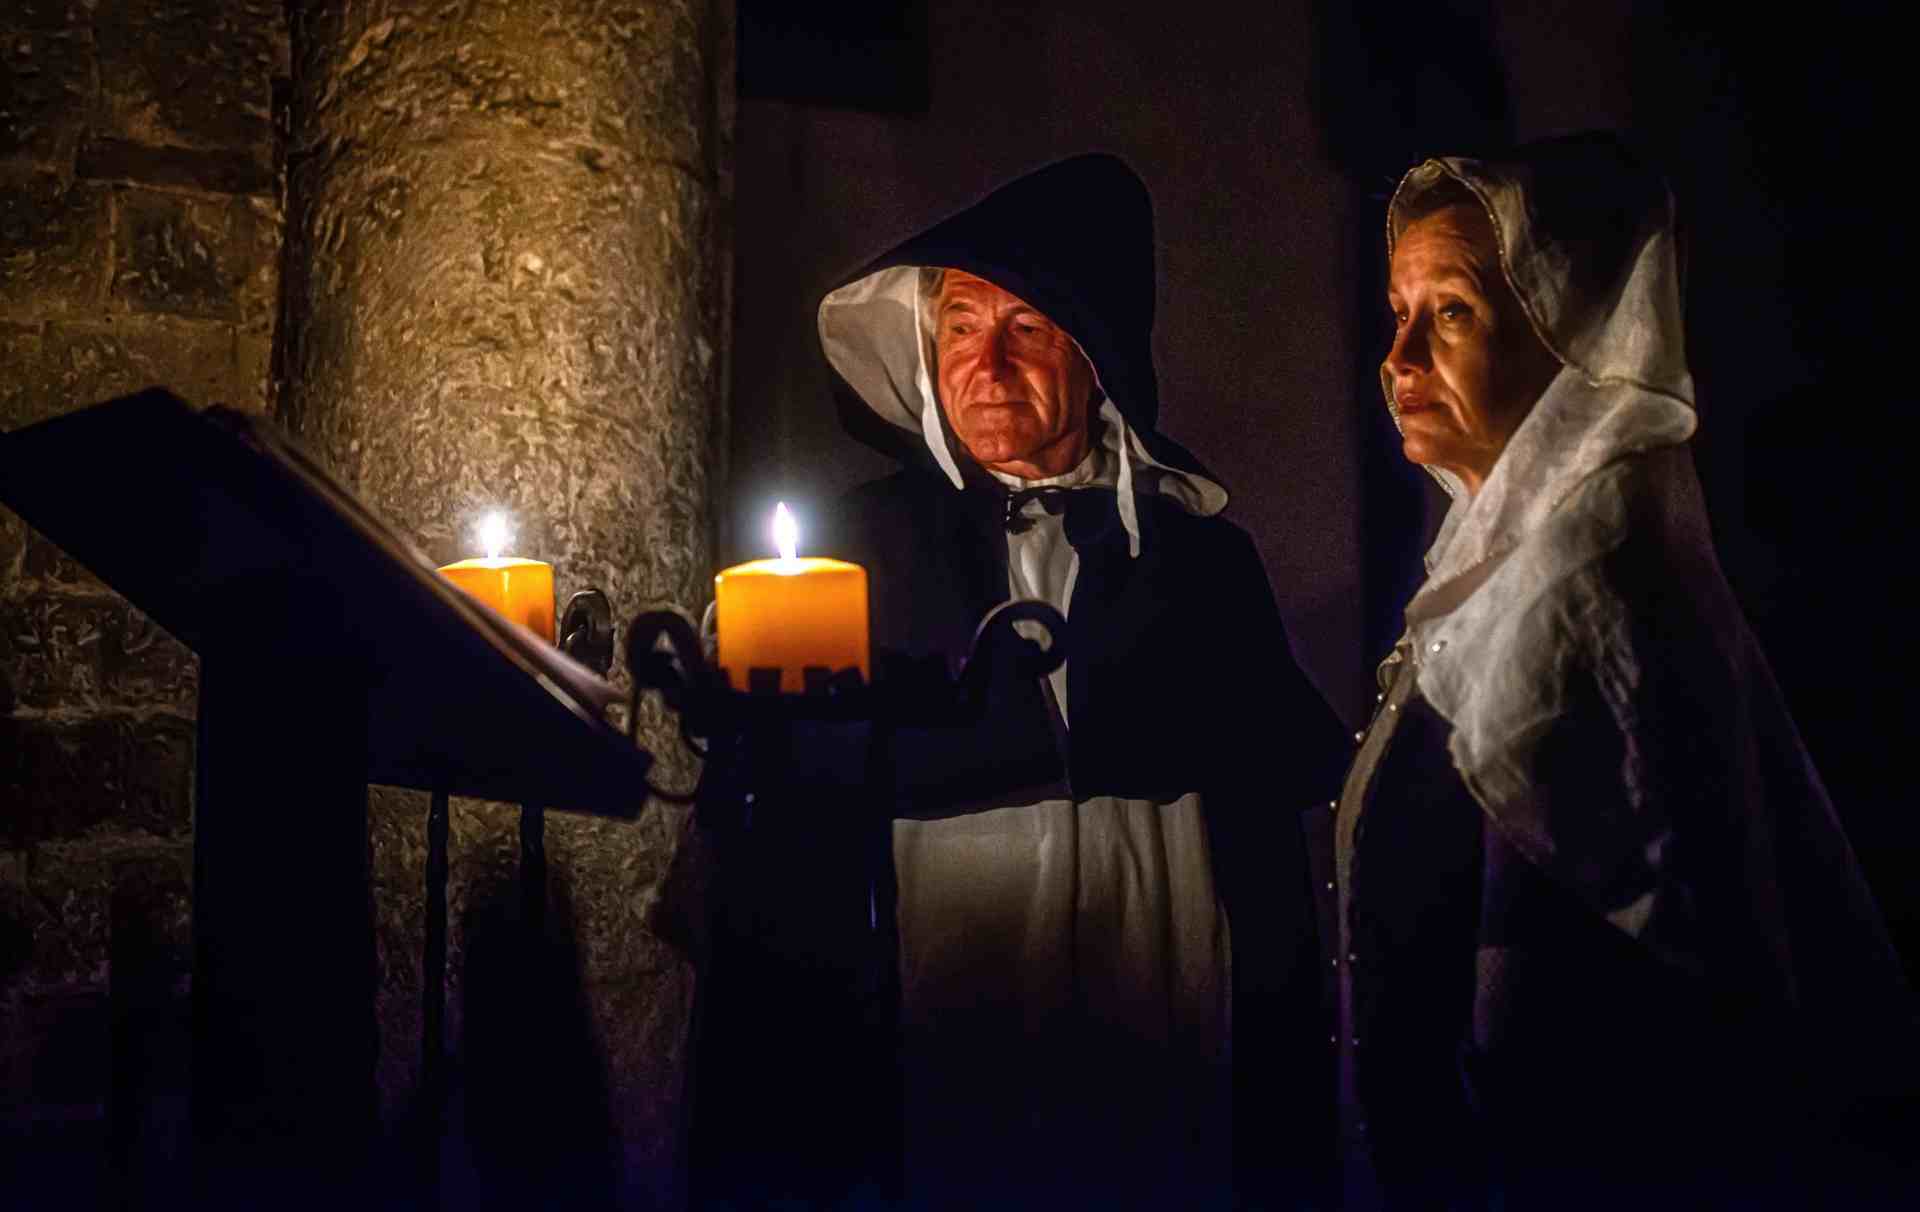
point(906, 691)
point(796, 1090)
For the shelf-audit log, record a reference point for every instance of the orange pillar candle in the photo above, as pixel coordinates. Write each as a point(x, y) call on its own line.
point(790, 613)
point(522, 590)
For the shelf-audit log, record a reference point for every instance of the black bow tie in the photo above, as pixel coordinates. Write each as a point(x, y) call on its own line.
point(1052, 498)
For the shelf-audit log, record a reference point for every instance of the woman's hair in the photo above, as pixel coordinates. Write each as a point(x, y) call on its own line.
point(1445, 191)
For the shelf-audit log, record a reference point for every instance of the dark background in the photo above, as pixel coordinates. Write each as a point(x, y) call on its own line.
point(142, 207)
point(1270, 137)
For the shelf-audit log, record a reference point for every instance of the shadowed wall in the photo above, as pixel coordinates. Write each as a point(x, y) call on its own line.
point(140, 227)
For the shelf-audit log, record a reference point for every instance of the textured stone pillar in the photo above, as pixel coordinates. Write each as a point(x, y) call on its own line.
point(506, 277)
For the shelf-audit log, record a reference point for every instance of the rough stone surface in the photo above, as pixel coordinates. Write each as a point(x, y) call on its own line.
point(64, 653)
point(174, 254)
point(223, 172)
point(14, 537)
point(60, 778)
point(606, 84)
point(140, 221)
point(93, 775)
point(53, 244)
point(46, 77)
point(82, 926)
point(213, 258)
point(70, 365)
point(507, 293)
point(44, 568)
point(193, 73)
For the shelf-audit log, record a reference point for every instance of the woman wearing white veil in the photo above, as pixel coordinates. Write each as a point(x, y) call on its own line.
point(1598, 936)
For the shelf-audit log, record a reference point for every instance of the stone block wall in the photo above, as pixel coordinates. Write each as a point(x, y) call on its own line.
point(140, 233)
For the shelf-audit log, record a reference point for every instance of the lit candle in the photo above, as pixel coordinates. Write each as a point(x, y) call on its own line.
point(522, 590)
point(789, 613)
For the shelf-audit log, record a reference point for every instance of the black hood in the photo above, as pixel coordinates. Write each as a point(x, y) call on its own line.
point(1075, 240)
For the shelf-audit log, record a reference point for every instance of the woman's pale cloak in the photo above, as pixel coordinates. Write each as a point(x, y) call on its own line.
point(1609, 707)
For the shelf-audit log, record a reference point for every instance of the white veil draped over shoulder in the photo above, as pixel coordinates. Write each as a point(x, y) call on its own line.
point(1604, 692)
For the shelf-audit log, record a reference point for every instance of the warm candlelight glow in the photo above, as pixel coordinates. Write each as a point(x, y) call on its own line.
point(494, 534)
point(786, 534)
point(520, 589)
point(791, 613)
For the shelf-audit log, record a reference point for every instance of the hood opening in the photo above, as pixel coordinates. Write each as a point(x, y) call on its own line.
point(874, 334)
point(1585, 239)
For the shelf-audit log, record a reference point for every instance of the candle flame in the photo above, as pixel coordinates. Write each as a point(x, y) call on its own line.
point(786, 533)
point(494, 534)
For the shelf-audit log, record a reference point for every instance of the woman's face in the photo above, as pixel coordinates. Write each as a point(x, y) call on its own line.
point(1465, 363)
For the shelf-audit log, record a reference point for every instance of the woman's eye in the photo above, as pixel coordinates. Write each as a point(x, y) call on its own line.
point(1455, 311)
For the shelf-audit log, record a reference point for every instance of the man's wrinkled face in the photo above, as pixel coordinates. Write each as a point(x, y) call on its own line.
point(1012, 383)
point(1466, 365)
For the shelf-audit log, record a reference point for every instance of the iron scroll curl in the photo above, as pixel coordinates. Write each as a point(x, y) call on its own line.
point(1001, 645)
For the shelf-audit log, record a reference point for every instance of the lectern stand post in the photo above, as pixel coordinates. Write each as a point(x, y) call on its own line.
point(284, 1035)
point(332, 656)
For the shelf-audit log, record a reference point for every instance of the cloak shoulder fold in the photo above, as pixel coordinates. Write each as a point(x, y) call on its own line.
point(1616, 720)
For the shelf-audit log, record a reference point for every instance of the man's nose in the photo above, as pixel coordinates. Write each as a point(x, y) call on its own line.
point(997, 366)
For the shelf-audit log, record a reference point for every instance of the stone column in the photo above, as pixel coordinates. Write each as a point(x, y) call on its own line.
point(506, 281)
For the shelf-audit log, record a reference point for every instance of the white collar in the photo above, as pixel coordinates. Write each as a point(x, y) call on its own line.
point(1087, 471)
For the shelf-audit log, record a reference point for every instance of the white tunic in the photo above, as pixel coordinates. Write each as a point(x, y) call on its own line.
point(1019, 927)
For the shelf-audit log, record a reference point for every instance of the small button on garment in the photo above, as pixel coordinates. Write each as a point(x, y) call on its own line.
point(1358, 737)
point(1393, 706)
point(1329, 885)
point(1436, 646)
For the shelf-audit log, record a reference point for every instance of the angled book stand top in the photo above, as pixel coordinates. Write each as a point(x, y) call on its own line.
point(225, 533)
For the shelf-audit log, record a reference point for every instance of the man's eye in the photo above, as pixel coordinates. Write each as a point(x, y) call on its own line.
point(959, 330)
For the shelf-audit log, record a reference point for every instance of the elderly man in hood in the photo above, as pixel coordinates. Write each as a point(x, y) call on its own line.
point(1104, 925)
point(1599, 939)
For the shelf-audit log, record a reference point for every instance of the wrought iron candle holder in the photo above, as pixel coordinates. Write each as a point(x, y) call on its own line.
point(906, 690)
point(796, 1025)
point(738, 733)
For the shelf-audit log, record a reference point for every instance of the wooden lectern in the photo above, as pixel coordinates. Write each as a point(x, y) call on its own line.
point(332, 656)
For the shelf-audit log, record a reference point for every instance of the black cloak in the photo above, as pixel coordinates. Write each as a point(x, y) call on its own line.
point(1180, 676)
